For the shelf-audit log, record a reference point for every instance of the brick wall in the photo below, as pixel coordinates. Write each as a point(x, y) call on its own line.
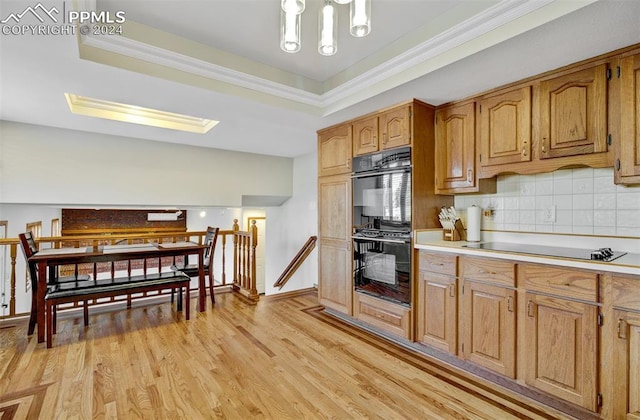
point(116, 220)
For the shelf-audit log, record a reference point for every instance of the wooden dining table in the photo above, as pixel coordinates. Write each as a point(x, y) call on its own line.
point(49, 259)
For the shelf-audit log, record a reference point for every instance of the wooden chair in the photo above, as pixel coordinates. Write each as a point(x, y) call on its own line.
point(29, 247)
point(193, 270)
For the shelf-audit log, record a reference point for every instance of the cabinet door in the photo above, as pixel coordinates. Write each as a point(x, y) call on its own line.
point(628, 167)
point(335, 285)
point(438, 311)
point(334, 150)
point(335, 288)
point(365, 136)
point(395, 127)
point(561, 348)
point(505, 128)
point(455, 148)
point(626, 359)
point(489, 327)
point(573, 113)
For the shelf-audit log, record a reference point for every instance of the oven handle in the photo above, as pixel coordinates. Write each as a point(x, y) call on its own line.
point(393, 241)
point(377, 173)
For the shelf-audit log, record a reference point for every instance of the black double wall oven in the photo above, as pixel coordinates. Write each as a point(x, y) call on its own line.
point(382, 225)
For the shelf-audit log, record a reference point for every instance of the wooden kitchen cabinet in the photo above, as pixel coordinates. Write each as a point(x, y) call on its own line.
point(334, 150)
point(625, 354)
point(561, 332)
point(437, 300)
point(627, 165)
point(386, 130)
point(573, 113)
point(384, 315)
point(455, 148)
point(335, 282)
point(505, 127)
point(488, 314)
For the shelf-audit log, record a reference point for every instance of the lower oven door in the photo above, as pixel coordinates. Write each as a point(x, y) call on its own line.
point(382, 268)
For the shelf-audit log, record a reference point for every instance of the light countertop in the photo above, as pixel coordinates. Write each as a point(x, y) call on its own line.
point(627, 264)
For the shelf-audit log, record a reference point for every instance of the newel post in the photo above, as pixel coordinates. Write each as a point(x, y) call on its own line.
point(253, 293)
point(13, 250)
point(236, 254)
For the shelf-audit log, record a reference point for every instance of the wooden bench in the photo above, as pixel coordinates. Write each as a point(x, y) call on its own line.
point(109, 287)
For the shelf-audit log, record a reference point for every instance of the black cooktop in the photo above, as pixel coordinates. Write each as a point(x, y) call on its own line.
point(602, 254)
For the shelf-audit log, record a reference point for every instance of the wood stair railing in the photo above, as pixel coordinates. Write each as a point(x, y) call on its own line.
point(243, 256)
point(296, 262)
point(244, 261)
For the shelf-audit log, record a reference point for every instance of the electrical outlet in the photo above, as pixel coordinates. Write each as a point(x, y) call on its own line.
point(549, 214)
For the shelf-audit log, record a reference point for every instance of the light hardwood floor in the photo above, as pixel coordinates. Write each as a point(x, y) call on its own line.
point(282, 358)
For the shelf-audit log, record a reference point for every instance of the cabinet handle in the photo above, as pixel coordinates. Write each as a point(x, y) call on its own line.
point(544, 145)
point(622, 329)
point(349, 163)
point(384, 138)
point(524, 151)
point(510, 304)
point(470, 176)
point(530, 309)
point(452, 290)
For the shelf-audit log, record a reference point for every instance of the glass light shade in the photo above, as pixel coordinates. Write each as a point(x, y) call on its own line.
point(289, 32)
point(360, 18)
point(292, 6)
point(327, 30)
point(342, 1)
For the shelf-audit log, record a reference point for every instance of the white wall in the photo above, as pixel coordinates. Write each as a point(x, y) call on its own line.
point(289, 227)
point(77, 169)
point(49, 166)
point(586, 202)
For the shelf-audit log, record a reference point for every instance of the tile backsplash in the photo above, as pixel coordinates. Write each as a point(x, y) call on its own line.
point(581, 201)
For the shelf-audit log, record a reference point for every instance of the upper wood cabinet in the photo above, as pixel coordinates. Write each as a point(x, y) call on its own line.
point(389, 129)
point(573, 113)
point(628, 153)
point(455, 148)
point(505, 127)
point(334, 150)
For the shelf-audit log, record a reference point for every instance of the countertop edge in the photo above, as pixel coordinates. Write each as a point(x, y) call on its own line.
point(457, 248)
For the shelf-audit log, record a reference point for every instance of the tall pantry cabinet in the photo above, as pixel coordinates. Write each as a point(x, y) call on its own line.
point(334, 218)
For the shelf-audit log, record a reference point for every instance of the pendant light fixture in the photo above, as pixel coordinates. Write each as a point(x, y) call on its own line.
point(291, 18)
point(289, 31)
point(292, 6)
point(327, 29)
point(360, 18)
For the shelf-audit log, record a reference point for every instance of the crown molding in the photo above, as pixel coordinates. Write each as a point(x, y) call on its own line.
point(498, 20)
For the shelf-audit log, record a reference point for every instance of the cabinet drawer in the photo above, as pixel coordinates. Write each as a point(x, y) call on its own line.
point(571, 283)
point(436, 262)
point(384, 315)
point(626, 292)
point(489, 270)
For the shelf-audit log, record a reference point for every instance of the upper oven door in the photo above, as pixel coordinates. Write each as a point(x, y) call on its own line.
point(383, 199)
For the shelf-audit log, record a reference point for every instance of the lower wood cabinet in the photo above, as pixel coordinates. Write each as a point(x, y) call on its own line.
point(626, 359)
point(437, 301)
point(488, 330)
point(383, 315)
point(562, 348)
point(624, 355)
point(561, 332)
point(488, 314)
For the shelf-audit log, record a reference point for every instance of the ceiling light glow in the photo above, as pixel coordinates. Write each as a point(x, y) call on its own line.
point(99, 108)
